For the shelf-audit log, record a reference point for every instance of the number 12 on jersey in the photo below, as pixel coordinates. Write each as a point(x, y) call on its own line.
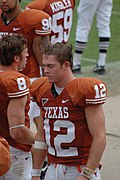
point(100, 90)
point(60, 138)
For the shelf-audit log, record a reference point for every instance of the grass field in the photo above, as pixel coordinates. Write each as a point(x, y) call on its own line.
point(91, 53)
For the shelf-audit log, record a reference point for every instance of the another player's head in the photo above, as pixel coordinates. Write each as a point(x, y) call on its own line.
point(62, 52)
point(8, 5)
point(57, 61)
point(13, 50)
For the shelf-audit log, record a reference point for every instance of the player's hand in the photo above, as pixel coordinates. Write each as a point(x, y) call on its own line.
point(81, 178)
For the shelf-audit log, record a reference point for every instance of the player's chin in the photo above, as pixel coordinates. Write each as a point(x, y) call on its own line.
point(4, 8)
point(24, 65)
point(50, 80)
point(22, 68)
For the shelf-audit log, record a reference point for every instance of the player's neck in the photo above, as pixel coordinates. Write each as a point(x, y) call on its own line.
point(65, 81)
point(8, 68)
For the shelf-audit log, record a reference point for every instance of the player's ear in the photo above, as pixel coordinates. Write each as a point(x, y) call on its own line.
point(66, 65)
point(16, 58)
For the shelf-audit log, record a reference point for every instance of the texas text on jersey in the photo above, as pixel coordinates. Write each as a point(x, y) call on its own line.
point(64, 118)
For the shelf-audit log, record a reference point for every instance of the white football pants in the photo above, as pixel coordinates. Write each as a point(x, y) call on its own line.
point(62, 172)
point(21, 165)
point(86, 11)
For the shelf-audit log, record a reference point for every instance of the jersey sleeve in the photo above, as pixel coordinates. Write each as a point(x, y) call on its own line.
point(37, 89)
point(37, 21)
point(94, 91)
point(17, 86)
point(87, 91)
point(36, 4)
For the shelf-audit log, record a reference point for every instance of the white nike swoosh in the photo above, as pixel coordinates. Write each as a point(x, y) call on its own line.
point(44, 100)
point(16, 29)
point(44, 168)
point(64, 101)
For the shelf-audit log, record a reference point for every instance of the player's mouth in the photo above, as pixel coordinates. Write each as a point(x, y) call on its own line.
point(49, 77)
point(4, 7)
point(26, 61)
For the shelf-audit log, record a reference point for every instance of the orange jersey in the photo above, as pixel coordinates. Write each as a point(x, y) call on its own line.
point(13, 85)
point(66, 131)
point(61, 12)
point(4, 156)
point(30, 23)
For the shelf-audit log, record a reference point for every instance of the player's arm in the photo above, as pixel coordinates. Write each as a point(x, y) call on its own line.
point(96, 124)
point(40, 150)
point(38, 43)
point(16, 119)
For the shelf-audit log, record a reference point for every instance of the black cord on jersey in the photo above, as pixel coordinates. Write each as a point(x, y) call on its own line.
point(54, 92)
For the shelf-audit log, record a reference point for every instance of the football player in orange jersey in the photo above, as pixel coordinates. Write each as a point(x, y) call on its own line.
point(61, 12)
point(14, 106)
point(35, 26)
point(4, 156)
point(73, 119)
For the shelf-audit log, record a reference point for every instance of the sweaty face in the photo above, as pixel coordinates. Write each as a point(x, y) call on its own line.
point(8, 5)
point(53, 69)
point(23, 59)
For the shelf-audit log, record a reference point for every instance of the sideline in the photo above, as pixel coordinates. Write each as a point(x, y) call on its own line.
point(111, 156)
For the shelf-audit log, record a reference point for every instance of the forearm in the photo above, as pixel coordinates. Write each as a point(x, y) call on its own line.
point(38, 162)
point(39, 155)
point(39, 150)
point(40, 146)
point(96, 124)
point(96, 152)
point(95, 155)
point(23, 135)
point(39, 56)
point(38, 44)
